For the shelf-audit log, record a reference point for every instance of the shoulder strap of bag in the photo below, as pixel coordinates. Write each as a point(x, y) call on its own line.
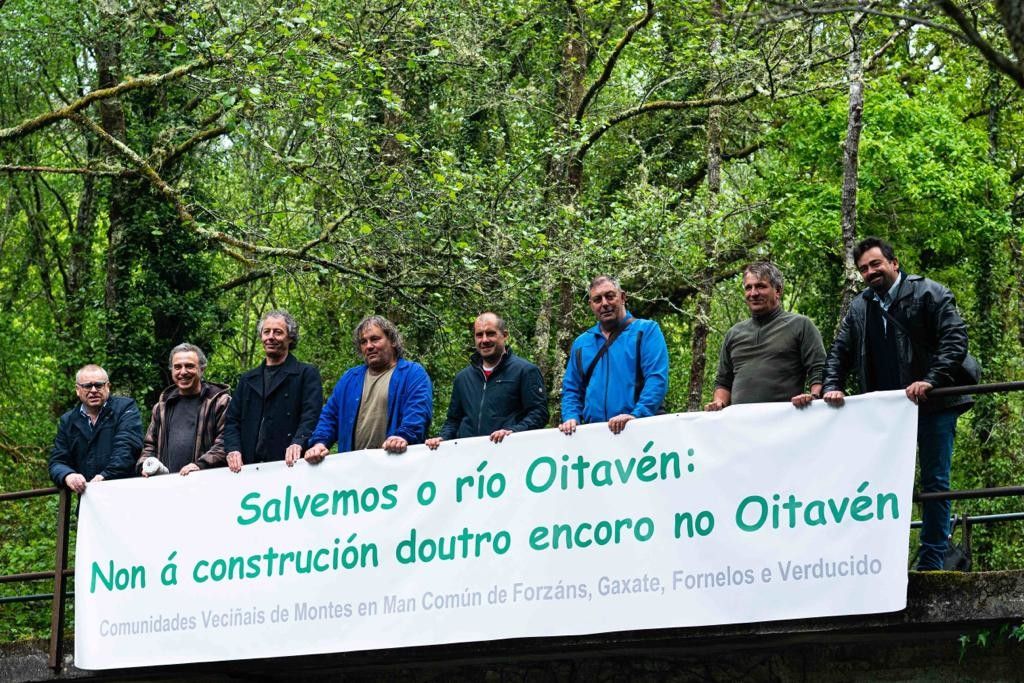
point(600, 353)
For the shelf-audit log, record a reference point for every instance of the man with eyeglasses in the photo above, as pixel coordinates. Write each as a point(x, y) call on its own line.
point(98, 439)
point(618, 369)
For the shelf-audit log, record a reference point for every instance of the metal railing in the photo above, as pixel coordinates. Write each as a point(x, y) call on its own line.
point(59, 575)
point(62, 572)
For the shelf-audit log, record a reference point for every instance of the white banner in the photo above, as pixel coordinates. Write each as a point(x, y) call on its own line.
point(755, 513)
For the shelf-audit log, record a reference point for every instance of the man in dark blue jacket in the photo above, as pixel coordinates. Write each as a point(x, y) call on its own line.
point(498, 393)
point(384, 403)
point(276, 405)
point(98, 439)
point(904, 332)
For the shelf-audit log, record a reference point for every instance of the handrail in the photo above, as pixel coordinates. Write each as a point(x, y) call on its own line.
point(993, 388)
point(31, 493)
point(60, 573)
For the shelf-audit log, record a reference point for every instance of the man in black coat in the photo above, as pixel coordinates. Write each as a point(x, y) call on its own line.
point(276, 405)
point(904, 332)
point(98, 439)
point(498, 393)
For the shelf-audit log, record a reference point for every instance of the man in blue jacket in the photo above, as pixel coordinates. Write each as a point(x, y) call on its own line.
point(498, 394)
point(98, 439)
point(618, 369)
point(385, 403)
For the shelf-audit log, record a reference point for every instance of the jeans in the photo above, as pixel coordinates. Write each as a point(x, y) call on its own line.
point(935, 434)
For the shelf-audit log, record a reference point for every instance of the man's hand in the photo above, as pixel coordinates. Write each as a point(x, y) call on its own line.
point(433, 442)
point(618, 423)
point(189, 469)
point(918, 391)
point(395, 444)
point(568, 427)
point(75, 482)
point(316, 453)
point(292, 454)
point(235, 461)
point(498, 435)
point(715, 405)
point(95, 480)
point(834, 398)
point(802, 400)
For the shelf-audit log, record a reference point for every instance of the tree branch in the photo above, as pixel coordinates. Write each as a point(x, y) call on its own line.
point(53, 169)
point(657, 105)
point(199, 138)
point(613, 58)
point(132, 83)
point(991, 55)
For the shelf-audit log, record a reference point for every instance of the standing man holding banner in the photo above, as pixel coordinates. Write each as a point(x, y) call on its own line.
point(97, 439)
point(618, 369)
point(904, 332)
point(384, 403)
point(772, 356)
point(186, 431)
point(498, 394)
point(277, 403)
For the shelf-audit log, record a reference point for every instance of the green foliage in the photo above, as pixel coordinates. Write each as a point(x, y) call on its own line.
point(427, 161)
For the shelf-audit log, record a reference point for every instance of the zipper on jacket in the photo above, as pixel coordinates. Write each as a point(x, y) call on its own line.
point(483, 395)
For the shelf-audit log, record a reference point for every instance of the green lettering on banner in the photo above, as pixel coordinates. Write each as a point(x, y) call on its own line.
point(586, 534)
point(754, 511)
point(119, 578)
point(545, 472)
point(294, 506)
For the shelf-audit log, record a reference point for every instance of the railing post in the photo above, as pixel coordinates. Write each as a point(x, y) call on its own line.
point(59, 582)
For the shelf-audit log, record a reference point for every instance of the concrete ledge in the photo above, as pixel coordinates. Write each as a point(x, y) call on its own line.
point(921, 642)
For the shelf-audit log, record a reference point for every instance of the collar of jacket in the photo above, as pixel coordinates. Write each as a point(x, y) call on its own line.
point(596, 329)
point(477, 361)
point(904, 292)
point(289, 365)
point(206, 390)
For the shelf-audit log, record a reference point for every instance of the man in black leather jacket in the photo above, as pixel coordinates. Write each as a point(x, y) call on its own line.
point(904, 332)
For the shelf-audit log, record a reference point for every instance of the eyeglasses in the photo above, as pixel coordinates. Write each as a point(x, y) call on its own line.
point(91, 385)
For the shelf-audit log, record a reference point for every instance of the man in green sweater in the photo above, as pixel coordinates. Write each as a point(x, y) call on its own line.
point(774, 355)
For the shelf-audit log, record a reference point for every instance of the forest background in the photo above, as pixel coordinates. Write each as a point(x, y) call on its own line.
point(171, 170)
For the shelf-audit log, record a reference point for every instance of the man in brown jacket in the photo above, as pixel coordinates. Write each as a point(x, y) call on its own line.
point(186, 431)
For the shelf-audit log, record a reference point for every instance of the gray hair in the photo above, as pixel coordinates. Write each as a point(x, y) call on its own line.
point(605, 278)
point(91, 367)
point(186, 348)
point(291, 326)
point(386, 326)
point(766, 270)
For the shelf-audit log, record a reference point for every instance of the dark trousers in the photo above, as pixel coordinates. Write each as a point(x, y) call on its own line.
point(935, 435)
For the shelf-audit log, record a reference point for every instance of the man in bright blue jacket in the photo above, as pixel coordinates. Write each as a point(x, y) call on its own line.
point(618, 369)
point(385, 403)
